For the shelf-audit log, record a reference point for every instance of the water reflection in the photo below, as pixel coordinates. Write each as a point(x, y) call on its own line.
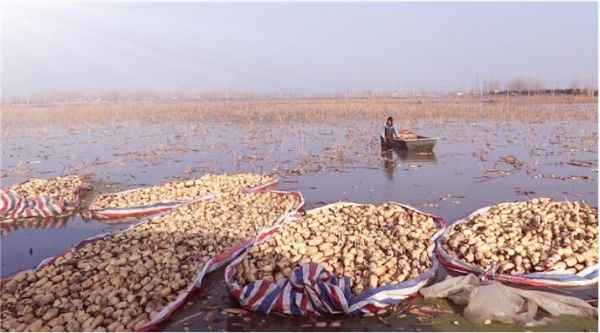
point(416, 156)
point(7, 228)
point(389, 163)
point(392, 157)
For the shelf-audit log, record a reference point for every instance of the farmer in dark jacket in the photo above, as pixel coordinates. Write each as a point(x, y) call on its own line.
point(388, 134)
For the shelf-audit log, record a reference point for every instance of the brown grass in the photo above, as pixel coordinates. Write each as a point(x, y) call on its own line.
point(313, 111)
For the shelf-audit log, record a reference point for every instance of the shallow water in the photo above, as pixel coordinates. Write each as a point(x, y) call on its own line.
point(327, 164)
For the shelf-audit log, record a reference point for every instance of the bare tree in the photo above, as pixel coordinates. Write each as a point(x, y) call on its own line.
point(491, 86)
point(535, 86)
point(518, 84)
point(580, 86)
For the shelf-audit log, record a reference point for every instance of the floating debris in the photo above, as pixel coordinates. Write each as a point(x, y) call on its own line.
point(236, 311)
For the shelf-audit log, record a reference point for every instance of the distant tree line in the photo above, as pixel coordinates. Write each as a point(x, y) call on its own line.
point(531, 87)
point(520, 86)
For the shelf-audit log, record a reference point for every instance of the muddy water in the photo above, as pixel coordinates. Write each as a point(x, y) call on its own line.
point(474, 164)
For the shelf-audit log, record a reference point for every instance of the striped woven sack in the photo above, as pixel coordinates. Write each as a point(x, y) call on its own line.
point(155, 207)
point(14, 206)
point(585, 277)
point(310, 289)
point(210, 266)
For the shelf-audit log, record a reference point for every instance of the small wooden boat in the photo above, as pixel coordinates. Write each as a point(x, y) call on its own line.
point(416, 143)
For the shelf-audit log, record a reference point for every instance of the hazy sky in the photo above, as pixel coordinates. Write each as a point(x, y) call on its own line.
point(300, 47)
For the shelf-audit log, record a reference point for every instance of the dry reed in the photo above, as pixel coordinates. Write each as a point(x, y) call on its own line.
point(309, 111)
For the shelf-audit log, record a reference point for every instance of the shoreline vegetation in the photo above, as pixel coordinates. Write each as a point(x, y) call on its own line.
point(533, 109)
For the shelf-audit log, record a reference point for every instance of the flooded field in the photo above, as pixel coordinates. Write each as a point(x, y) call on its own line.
point(488, 151)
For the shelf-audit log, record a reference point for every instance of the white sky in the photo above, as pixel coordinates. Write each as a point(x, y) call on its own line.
point(297, 47)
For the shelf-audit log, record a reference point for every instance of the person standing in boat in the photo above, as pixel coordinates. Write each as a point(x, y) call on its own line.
point(389, 134)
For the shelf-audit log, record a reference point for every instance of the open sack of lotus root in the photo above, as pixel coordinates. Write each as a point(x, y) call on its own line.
point(150, 200)
point(341, 258)
point(136, 278)
point(41, 197)
point(540, 242)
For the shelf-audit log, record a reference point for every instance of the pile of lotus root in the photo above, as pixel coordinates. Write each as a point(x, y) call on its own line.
point(539, 235)
point(407, 136)
point(371, 245)
point(181, 190)
point(122, 281)
point(64, 188)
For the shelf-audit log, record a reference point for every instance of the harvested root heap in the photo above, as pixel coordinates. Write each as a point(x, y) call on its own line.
point(533, 236)
point(371, 245)
point(122, 281)
point(407, 136)
point(64, 188)
point(180, 190)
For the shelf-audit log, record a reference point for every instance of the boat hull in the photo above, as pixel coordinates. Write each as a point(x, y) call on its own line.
point(421, 143)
